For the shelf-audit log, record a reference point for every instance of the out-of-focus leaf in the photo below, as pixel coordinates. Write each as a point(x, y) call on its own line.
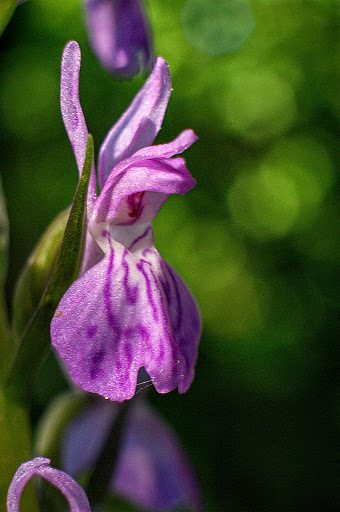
point(53, 422)
point(7, 8)
point(4, 334)
point(14, 448)
point(217, 27)
point(35, 340)
point(3, 237)
point(36, 273)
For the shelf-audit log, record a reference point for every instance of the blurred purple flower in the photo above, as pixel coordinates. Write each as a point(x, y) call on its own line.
point(152, 471)
point(120, 35)
point(72, 491)
point(129, 309)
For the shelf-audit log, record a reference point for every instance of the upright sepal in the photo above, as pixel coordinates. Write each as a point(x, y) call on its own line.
point(72, 113)
point(35, 340)
point(138, 126)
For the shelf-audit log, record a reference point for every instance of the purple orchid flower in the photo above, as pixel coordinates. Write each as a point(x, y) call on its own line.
point(152, 471)
point(72, 491)
point(119, 35)
point(129, 309)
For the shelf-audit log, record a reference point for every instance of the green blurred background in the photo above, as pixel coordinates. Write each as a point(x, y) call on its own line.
point(257, 240)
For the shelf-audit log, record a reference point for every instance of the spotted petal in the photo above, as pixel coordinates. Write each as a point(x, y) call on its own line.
point(72, 491)
point(139, 124)
point(131, 310)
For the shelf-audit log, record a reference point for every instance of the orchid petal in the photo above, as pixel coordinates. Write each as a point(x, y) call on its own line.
point(139, 124)
point(119, 35)
point(177, 146)
point(163, 176)
point(72, 491)
point(72, 112)
point(167, 480)
point(152, 470)
point(128, 311)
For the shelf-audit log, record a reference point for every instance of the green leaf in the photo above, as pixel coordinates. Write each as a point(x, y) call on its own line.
point(36, 339)
point(7, 8)
point(14, 448)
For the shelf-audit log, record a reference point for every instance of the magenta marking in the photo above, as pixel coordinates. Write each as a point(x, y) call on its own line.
point(148, 287)
point(131, 292)
point(140, 238)
point(112, 320)
point(177, 324)
point(92, 331)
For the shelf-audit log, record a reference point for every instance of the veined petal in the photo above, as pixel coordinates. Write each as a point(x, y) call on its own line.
point(161, 176)
point(72, 491)
point(128, 311)
point(72, 112)
point(139, 124)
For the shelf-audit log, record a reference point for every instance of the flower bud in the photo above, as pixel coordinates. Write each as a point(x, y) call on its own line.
point(119, 34)
point(36, 273)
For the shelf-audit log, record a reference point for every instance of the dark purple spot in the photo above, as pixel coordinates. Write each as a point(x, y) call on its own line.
point(96, 359)
point(92, 331)
point(143, 333)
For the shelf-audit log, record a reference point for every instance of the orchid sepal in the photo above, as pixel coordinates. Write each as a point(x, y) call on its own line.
point(139, 125)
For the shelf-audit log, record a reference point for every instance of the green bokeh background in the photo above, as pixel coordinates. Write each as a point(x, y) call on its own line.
point(257, 240)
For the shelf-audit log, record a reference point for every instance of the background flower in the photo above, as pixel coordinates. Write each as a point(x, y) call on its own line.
point(120, 35)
